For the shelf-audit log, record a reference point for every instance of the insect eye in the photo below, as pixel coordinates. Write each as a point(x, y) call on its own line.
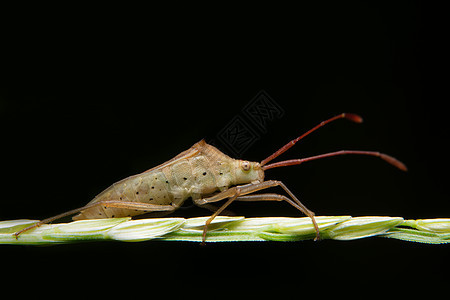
point(245, 165)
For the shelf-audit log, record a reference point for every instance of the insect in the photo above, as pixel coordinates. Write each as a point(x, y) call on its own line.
point(206, 175)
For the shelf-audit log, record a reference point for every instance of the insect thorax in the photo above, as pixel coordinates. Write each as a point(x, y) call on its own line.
point(203, 173)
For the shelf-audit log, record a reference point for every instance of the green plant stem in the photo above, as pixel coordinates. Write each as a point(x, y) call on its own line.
point(228, 229)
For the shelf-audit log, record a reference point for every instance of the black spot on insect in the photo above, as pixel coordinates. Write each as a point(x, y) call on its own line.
point(112, 216)
point(204, 173)
point(184, 178)
point(153, 187)
point(99, 214)
point(167, 181)
point(137, 193)
point(120, 198)
point(220, 173)
point(151, 198)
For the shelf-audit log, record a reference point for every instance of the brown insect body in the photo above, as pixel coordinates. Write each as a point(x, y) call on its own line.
point(195, 173)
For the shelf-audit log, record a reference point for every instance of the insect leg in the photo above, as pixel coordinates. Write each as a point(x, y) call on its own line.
point(136, 205)
point(277, 197)
point(301, 207)
point(108, 203)
point(242, 190)
point(216, 213)
point(231, 193)
point(218, 197)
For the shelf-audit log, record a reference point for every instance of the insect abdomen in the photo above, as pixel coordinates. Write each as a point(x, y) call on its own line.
point(150, 187)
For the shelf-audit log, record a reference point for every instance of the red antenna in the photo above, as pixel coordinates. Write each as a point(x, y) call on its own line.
point(352, 117)
point(292, 162)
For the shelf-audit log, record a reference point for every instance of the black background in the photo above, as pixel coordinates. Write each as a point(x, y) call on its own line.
point(92, 95)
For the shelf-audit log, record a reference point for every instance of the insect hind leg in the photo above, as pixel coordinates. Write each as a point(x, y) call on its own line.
point(109, 203)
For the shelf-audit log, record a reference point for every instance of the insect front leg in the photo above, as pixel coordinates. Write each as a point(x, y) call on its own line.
point(238, 192)
point(231, 193)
